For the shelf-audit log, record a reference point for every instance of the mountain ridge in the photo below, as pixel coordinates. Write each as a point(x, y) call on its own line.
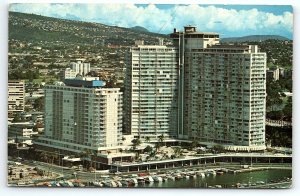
point(254, 38)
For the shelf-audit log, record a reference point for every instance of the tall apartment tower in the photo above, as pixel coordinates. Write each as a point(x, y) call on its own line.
point(222, 91)
point(151, 85)
point(81, 115)
point(16, 96)
point(80, 67)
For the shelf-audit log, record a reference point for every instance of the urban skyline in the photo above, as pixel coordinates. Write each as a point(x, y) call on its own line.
point(103, 106)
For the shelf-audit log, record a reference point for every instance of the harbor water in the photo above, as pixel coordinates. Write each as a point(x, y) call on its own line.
point(228, 180)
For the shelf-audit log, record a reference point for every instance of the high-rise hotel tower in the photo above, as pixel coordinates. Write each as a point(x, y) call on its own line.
point(80, 115)
point(151, 85)
point(219, 91)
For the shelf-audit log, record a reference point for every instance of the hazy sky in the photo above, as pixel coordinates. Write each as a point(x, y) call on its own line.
point(228, 20)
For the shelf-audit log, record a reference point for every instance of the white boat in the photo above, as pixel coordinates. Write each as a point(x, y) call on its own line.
point(141, 180)
point(149, 179)
point(171, 177)
point(211, 172)
point(113, 184)
point(134, 180)
point(119, 183)
point(157, 179)
point(97, 184)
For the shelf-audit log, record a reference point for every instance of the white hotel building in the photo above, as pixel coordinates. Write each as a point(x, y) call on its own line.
point(81, 115)
point(151, 91)
point(215, 95)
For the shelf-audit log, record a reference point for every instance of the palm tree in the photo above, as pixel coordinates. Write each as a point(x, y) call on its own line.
point(157, 146)
point(44, 156)
point(54, 156)
point(161, 138)
point(123, 138)
point(177, 151)
point(87, 154)
point(147, 139)
point(135, 143)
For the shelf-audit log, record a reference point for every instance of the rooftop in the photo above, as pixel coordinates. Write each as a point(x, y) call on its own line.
point(89, 82)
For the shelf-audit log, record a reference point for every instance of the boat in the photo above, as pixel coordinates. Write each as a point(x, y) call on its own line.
point(220, 172)
point(124, 183)
point(118, 183)
point(107, 184)
point(178, 176)
point(113, 183)
point(141, 180)
point(211, 172)
point(171, 177)
point(149, 179)
point(134, 180)
point(98, 184)
point(157, 179)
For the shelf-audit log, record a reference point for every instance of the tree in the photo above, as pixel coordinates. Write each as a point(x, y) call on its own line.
point(39, 104)
point(87, 154)
point(177, 151)
point(194, 144)
point(218, 148)
point(288, 109)
point(135, 143)
point(17, 118)
point(148, 149)
point(123, 139)
point(161, 138)
point(147, 139)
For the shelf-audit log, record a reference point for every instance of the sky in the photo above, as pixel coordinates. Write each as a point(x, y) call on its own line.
point(228, 20)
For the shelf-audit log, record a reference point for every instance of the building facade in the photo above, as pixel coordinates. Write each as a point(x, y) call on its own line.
point(222, 91)
point(218, 91)
point(80, 67)
point(81, 115)
point(77, 68)
point(16, 96)
point(151, 91)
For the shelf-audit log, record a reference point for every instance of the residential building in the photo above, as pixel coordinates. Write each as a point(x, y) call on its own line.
point(68, 73)
point(151, 91)
point(274, 73)
point(16, 94)
point(76, 68)
point(80, 67)
point(211, 93)
point(80, 115)
point(222, 91)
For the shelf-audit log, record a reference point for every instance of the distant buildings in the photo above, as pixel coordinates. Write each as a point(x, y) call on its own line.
point(81, 115)
point(21, 132)
point(216, 93)
point(80, 67)
point(77, 67)
point(16, 94)
point(275, 73)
